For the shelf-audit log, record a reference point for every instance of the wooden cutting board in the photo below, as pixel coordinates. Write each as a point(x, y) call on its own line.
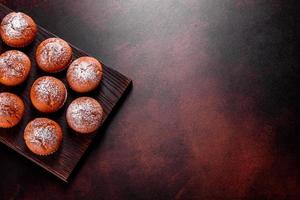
point(111, 91)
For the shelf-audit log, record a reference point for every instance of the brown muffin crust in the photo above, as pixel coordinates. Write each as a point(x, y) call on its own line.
point(53, 55)
point(43, 136)
point(14, 67)
point(84, 115)
point(11, 109)
point(18, 29)
point(48, 94)
point(84, 74)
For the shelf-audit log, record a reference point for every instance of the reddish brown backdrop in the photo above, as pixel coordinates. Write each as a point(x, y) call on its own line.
point(213, 113)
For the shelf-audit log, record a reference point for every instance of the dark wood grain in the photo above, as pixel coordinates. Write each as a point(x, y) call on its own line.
point(113, 86)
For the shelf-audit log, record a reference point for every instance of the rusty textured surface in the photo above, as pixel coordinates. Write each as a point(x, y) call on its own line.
point(214, 111)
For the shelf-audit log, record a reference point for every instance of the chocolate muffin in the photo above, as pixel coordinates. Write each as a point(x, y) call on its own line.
point(18, 29)
point(14, 67)
point(84, 115)
point(53, 55)
point(11, 110)
point(43, 136)
point(84, 74)
point(48, 94)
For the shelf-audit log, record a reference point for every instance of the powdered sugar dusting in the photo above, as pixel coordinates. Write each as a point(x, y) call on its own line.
point(15, 24)
point(85, 71)
point(8, 105)
point(12, 64)
point(48, 91)
point(53, 52)
point(43, 134)
point(85, 112)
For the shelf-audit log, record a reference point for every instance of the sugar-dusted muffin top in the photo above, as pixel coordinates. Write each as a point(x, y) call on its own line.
point(18, 29)
point(48, 94)
point(84, 74)
point(14, 67)
point(84, 115)
point(11, 109)
point(43, 136)
point(53, 55)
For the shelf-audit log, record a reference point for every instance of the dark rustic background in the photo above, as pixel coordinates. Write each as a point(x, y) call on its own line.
point(214, 111)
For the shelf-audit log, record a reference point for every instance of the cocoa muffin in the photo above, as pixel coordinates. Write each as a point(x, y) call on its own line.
point(48, 94)
point(84, 115)
point(53, 55)
point(14, 67)
point(11, 109)
point(18, 29)
point(84, 74)
point(43, 136)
